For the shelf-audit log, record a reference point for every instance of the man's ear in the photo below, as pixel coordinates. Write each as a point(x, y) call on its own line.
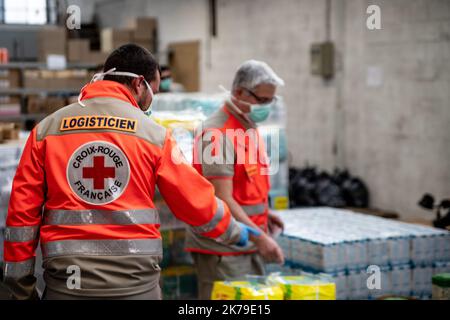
point(135, 84)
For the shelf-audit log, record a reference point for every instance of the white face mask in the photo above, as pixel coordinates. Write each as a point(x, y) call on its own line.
point(234, 106)
point(99, 76)
point(230, 102)
point(258, 112)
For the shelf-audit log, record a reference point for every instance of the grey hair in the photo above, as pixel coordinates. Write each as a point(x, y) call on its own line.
point(252, 73)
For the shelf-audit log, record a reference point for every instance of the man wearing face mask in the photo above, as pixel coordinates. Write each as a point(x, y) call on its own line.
point(167, 83)
point(84, 187)
point(241, 183)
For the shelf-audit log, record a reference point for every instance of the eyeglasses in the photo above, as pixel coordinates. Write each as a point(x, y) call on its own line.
point(261, 100)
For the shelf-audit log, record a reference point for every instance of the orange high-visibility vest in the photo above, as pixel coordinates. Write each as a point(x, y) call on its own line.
point(250, 178)
point(85, 184)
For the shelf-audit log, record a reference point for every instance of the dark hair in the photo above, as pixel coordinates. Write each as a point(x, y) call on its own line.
point(164, 68)
point(131, 58)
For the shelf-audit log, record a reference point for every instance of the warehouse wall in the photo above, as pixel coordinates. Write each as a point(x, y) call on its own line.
point(192, 15)
point(384, 116)
point(397, 134)
point(280, 33)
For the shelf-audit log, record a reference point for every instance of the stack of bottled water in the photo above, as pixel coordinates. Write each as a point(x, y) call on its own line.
point(182, 112)
point(344, 244)
point(204, 103)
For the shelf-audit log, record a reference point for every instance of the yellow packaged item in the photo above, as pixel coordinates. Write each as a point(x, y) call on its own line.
point(186, 120)
point(244, 290)
point(304, 287)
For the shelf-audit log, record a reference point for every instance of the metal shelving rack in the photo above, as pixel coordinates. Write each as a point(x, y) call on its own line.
point(43, 65)
point(30, 119)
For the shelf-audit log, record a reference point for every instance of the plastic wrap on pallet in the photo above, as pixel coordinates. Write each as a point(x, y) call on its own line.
point(205, 103)
point(421, 284)
point(341, 242)
point(334, 239)
point(401, 280)
point(245, 290)
point(304, 286)
point(182, 112)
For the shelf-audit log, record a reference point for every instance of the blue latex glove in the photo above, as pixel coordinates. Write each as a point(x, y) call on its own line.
point(246, 231)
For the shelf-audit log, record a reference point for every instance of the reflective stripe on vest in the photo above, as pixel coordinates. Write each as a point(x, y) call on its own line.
point(86, 217)
point(21, 234)
point(226, 235)
point(218, 216)
point(102, 247)
point(15, 270)
point(254, 209)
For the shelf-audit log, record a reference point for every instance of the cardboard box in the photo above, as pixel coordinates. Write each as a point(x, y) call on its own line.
point(10, 105)
point(10, 130)
point(144, 28)
point(56, 80)
point(32, 79)
point(35, 104)
point(147, 44)
point(78, 50)
point(98, 57)
point(185, 64)
point(77, 79)
point(39, 104)
point(9, 100)
point(9, 78)
point(51, 40)
point(54, 103)
point(111, 38)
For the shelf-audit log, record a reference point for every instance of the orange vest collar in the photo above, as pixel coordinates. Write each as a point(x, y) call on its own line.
point(107, 88)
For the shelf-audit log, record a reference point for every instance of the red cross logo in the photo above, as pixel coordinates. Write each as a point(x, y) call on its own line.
point(99, 172)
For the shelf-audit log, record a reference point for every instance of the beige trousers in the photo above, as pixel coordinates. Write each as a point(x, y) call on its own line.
point(210, 268)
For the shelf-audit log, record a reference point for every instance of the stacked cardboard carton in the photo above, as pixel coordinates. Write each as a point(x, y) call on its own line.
point(51, 40)
point(9, 105)
point(42, 104)
point(78, 50)
point(9, 79)
point(9, 131)
point(141, 31)
point(145, 33)
point(112, 38)
point(56, 79)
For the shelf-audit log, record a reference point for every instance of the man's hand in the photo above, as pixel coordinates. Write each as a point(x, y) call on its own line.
point(275, 224)
point(269, 249)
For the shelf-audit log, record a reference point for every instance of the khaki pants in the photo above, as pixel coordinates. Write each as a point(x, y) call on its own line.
point(212, 268)
point(154, 294)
